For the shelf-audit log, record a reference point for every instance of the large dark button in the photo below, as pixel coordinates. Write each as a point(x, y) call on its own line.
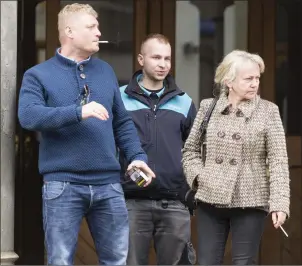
point(81, 67)
point(82, 75)
point(236, 136)
point(221, 134)
point(219, 160)
point(233, 162)
point(239, 113)
point(227, 110)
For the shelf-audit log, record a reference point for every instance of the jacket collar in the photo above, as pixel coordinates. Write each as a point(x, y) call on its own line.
point(246, 107)
point(170, 85)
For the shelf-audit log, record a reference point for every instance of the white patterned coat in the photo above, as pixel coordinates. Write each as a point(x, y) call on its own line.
point(241, 146)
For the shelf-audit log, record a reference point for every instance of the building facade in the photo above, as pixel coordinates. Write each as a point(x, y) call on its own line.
point(201, 33)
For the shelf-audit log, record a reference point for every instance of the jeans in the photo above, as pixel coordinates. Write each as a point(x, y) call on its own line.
point(167, 222)
point(214, 224)
point(103, 206)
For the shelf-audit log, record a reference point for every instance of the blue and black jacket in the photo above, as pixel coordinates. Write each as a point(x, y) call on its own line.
point(163, 129)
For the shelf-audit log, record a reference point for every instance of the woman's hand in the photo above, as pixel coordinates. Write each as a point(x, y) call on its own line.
point(278, 218)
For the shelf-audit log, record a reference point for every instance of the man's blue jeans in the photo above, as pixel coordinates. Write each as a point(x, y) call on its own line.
point(64, 206)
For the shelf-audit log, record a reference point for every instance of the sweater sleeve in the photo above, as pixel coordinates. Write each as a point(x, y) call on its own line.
point(33, 112)
point(278, 164)
point(125, 132)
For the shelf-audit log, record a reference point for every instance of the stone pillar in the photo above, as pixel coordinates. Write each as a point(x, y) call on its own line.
point(8, 110)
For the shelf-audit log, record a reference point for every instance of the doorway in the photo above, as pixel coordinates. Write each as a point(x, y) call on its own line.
point(276, 35)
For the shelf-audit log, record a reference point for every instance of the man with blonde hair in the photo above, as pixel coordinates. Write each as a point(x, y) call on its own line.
point(73, 99)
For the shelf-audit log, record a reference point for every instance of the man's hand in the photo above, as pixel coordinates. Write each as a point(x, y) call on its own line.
point(94, 109)
point(278, 218)
point(143, 167)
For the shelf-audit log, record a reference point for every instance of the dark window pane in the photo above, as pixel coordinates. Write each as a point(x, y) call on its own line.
point(288, 64)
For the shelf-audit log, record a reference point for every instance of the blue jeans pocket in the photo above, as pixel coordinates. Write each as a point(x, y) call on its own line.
point(53, 189)
point(117, 187)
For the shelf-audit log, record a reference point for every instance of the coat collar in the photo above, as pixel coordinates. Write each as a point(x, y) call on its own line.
point(170, 85)
point(245, 108)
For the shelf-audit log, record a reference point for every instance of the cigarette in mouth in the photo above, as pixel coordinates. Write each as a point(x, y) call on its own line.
point(102, 41)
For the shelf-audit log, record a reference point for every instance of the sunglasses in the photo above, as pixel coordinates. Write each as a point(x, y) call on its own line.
point(84, 95)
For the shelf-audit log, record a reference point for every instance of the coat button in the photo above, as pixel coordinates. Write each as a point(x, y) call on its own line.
point(236, 136)
point(221, 134)
point(81, 67)
point(233, 162)
point(219, 160)
point(239, 113)
point(82, 75)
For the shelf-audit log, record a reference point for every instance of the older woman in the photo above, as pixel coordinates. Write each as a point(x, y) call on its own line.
point(244, 139)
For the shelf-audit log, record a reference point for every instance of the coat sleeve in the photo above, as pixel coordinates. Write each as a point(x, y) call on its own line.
point(278, 164)
point(192, 151)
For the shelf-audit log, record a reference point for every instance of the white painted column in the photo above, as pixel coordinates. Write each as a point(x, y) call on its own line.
point(187, 65)
point(236, 26)
point(8, 109)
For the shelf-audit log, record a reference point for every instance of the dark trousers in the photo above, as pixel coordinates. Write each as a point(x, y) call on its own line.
point(214, 224)
point(167, 223)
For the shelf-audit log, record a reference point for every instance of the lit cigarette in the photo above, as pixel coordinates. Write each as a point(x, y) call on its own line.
point(102, 41)
point(283, 231)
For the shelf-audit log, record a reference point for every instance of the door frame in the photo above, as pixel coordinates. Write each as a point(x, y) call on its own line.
point(275, 248)
point(261, 40)
point(28, 182)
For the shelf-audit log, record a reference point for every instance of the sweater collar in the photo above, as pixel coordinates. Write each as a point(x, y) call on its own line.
point(68, 62)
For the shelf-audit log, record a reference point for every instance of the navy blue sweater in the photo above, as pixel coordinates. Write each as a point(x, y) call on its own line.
point(71, 149)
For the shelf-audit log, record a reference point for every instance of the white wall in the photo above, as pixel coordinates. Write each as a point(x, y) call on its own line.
point(187, 67)
point(8, 117)
point(195, 73)
point(236, 26)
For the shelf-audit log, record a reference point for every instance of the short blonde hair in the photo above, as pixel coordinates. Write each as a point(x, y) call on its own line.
point(70, 10)
point(157, 36)
point(227, 69)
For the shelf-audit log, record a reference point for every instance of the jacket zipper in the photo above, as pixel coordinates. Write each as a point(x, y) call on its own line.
point(155, 126)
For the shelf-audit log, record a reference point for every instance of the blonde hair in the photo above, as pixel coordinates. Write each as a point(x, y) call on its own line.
point(70, 10)
point(227, 69)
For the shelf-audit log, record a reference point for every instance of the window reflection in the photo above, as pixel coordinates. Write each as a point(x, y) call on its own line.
point(288, 77)
point(116, 25)
point(40, 31)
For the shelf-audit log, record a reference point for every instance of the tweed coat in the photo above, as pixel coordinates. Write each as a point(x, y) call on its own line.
point(241, 147)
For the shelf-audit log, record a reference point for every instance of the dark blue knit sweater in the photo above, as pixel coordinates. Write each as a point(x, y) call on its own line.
point(70, 149)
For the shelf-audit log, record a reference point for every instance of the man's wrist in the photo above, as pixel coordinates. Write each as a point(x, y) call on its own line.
point(141, 159)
